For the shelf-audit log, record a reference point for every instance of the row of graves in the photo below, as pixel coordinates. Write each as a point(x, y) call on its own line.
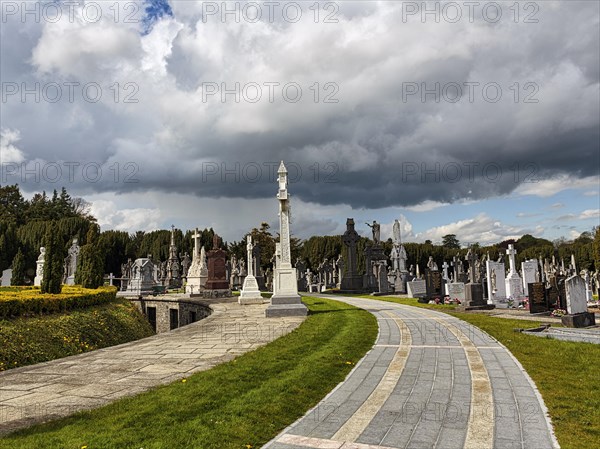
point(542, 287)
point(69, 270)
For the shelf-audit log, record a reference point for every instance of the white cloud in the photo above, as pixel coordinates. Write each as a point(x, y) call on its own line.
point(482, 228)
point(589, 213)
point(549, 187)
point(9, 153)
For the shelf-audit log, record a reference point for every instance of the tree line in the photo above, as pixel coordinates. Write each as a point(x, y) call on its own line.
point(53, 221)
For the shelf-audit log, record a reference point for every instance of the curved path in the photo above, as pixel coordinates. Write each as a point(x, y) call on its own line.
point(58, 388)
point(430, 381)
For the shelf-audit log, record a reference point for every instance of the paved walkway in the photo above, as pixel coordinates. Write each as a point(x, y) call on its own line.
point(430, 381)
point(61, 387)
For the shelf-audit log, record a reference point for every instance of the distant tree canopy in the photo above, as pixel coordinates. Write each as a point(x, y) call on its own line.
point(450, 241)
point(24, 225)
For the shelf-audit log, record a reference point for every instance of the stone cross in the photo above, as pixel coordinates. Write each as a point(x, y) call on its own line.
point(471, 257)
point(445, 267)
point(110, 279)
point(249, 248)
point(511, 257)
point(196, 237)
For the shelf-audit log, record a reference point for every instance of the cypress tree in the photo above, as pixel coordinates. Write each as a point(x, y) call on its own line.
point(53, 262)
point(90, 269)
point(18, 269)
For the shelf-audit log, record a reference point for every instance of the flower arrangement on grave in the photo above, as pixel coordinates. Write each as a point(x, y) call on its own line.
point(558, 313)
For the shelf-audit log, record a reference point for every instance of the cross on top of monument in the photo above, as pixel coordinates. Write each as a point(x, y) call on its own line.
point(216, 241)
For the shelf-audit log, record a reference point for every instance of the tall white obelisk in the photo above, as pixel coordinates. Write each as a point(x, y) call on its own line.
point(285, 300)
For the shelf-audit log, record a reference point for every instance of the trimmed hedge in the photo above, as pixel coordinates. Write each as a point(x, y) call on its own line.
point(22, 301)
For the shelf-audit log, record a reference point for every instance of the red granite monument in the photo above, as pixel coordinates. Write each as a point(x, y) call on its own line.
point(217, 271)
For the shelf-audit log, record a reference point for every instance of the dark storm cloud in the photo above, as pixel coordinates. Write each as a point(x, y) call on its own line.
point(378, 146)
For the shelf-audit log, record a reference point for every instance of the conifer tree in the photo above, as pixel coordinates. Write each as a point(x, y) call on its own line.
point(53, 262)
point(18, 269)
point(90, 269)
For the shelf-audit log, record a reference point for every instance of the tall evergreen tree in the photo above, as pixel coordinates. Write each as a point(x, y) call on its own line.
point(53, 262)
point(18, 269)
point(90, 268)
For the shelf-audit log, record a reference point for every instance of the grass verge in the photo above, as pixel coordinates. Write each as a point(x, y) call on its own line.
point(25, 341)
point(409, 302)
point(566, 374)
point(240, 404)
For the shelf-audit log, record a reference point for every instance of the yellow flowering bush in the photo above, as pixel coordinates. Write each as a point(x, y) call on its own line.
point(23, 301)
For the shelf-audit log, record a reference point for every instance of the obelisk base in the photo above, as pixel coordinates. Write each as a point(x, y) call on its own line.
point(285, 300)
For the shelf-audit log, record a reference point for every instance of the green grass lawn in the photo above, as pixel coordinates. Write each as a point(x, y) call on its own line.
point(239, 404)
point(29, 340)
point(408, 302)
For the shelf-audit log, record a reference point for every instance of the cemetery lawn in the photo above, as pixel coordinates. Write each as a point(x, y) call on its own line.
point(36, 339)
point(409, 302)
point(566, 374)
point(240, 404)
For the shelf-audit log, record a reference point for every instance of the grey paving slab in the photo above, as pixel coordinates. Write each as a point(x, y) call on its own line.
point(61, 387)
point(457, 387)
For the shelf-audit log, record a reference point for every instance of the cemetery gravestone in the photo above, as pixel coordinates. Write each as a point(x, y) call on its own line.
point(538, 297)
point(456, 290)
point(6, 275)
point(351, 280)
point(217, 271)
point(529, 269)
point(250, 293)
point(578, 316)
point(417, 288)
point(434, 284)
point(514, 284)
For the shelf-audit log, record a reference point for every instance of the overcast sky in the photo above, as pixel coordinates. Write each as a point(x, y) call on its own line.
point(481, 121)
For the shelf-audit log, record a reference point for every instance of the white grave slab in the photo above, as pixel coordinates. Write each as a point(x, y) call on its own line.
point(496, 281)
point(416, 288)
point(6, 275)
point(529, 270)
point(575, 292)
point(456, 290)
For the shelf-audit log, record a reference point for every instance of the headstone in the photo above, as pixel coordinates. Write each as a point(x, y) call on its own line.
point(529, 270)
point(198, 271)
point(285, 300)
point(557, 297)
point(250, 293)
point(301, 275)
point(434, 284)
point(71, 263)
point(416, 288)
point(39, 272)
point(217, 272)
point(578, 315)
point(474, 289)
point(496, 282)
point(142, 276)
point(456, 291)
point(575, 291)
point(374, 255)
point(382, 279)
point(514, 284)
point(538, 297)
point(172, 269)
point(6, 275)
point(351, 280)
